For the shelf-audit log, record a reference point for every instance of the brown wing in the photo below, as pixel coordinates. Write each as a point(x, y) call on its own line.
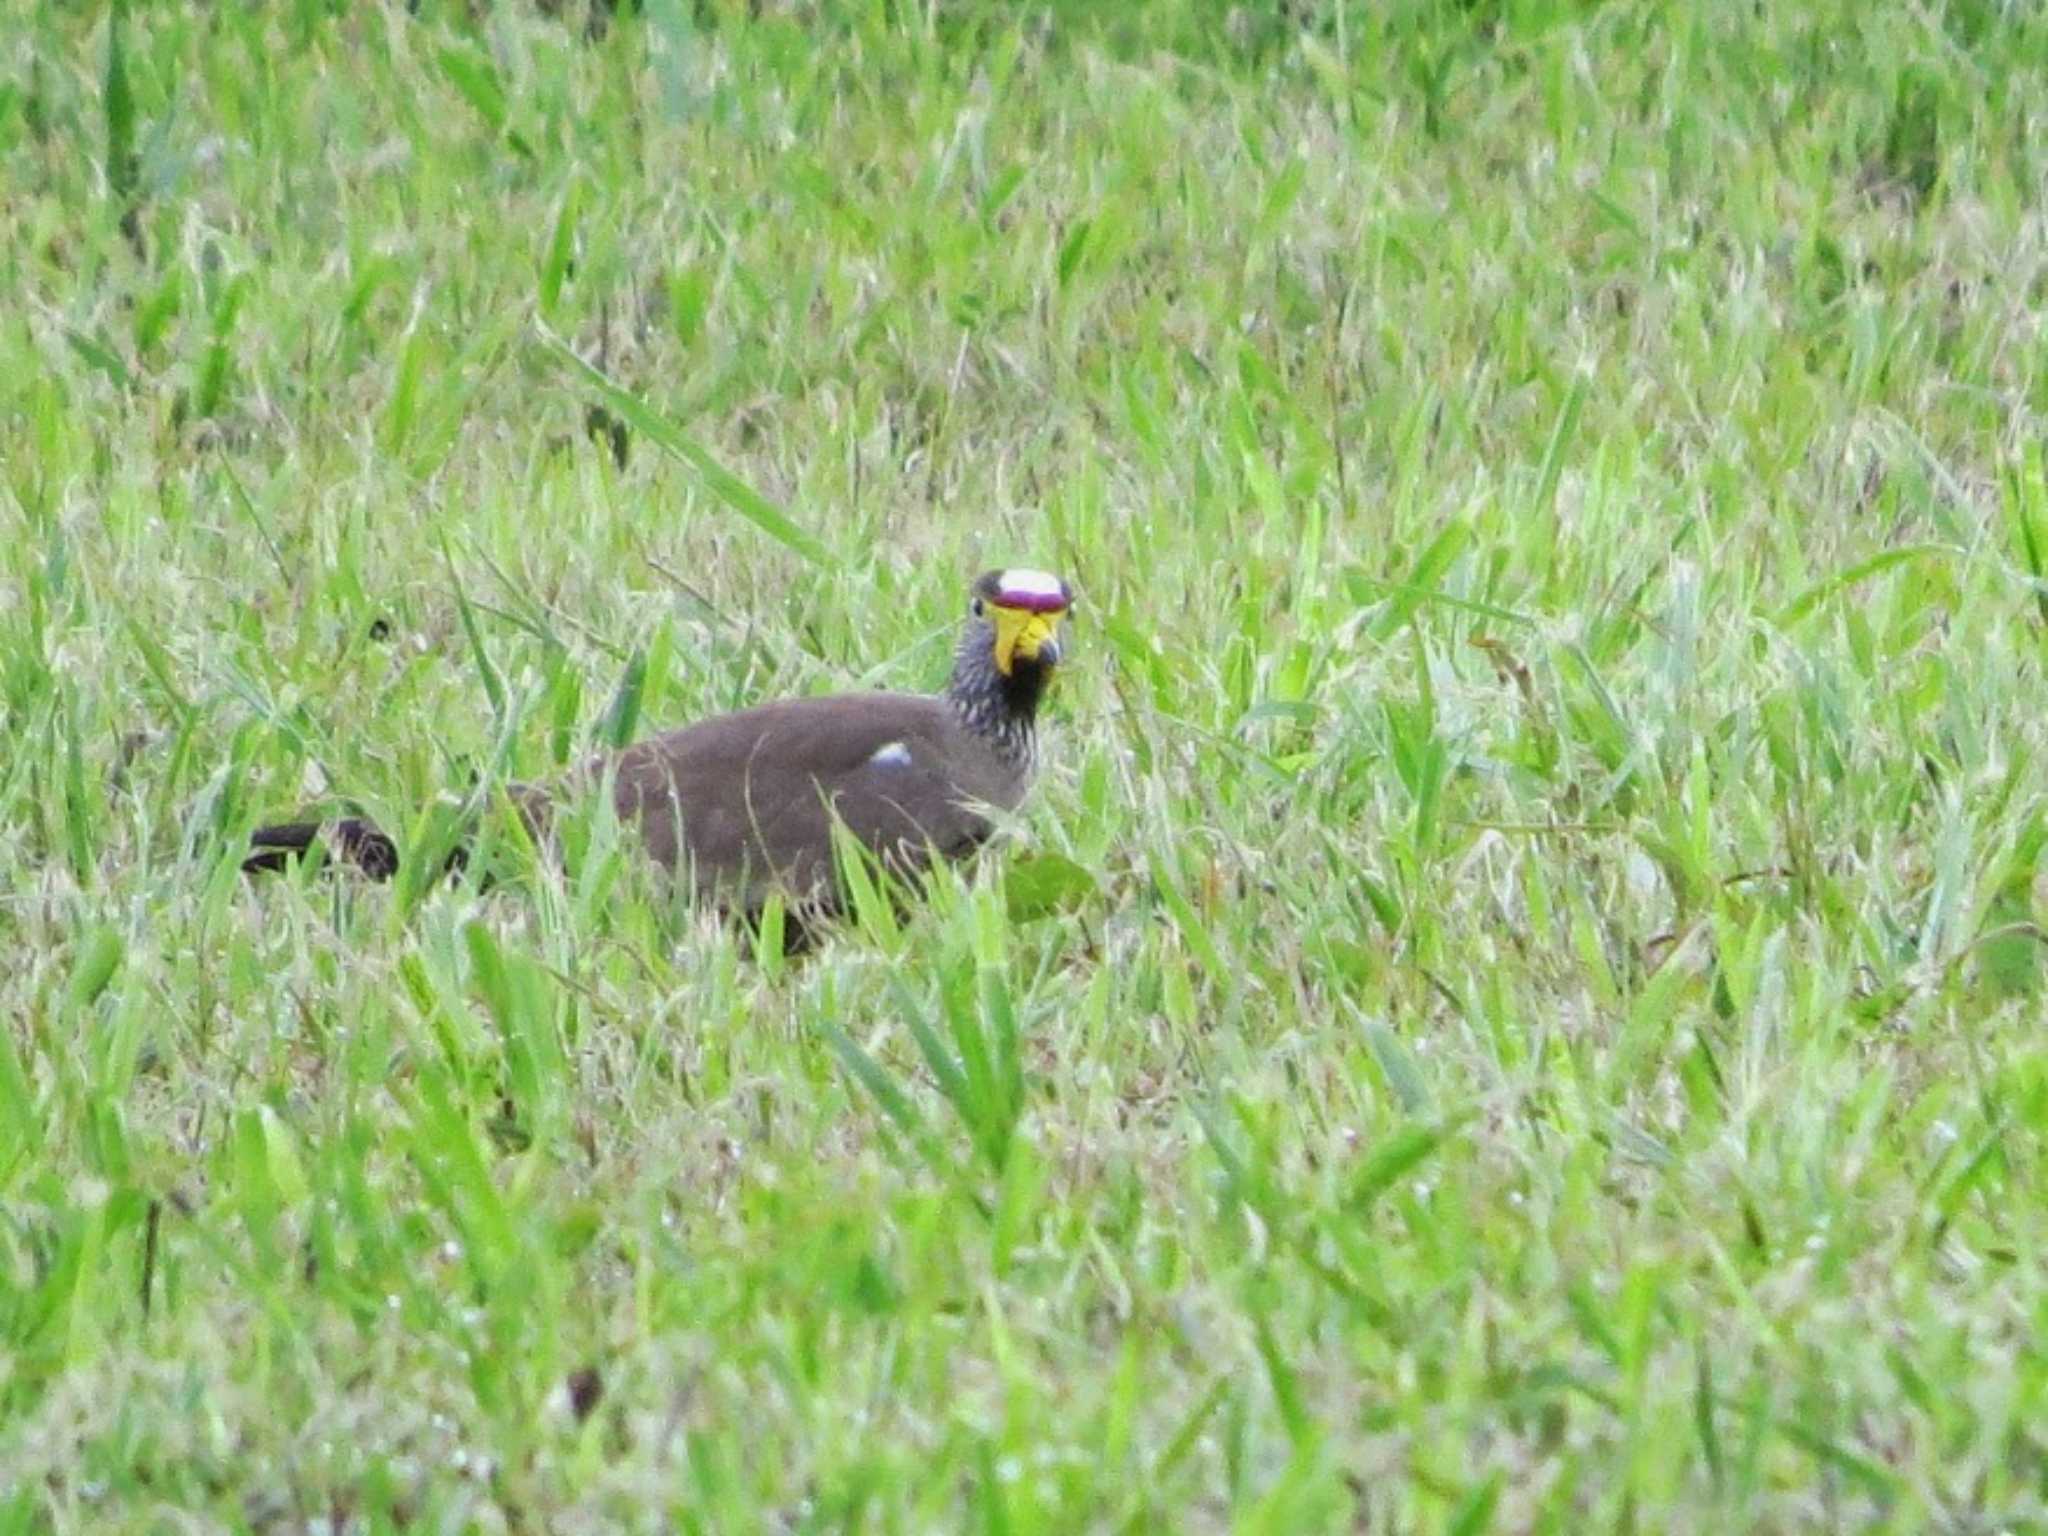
point(750, 797)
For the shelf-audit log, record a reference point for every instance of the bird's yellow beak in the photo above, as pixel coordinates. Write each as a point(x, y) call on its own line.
point(1022, 632)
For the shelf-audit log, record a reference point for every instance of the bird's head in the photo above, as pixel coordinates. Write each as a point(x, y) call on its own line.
point(1007, 653)
point(1022, 609)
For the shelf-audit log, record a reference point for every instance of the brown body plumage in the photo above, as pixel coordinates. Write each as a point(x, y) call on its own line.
point(744, 804)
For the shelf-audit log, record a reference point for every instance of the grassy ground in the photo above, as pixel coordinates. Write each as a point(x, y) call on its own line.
point(1517, 1007)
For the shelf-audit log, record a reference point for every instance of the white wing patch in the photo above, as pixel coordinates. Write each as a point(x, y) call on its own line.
point(892, 754)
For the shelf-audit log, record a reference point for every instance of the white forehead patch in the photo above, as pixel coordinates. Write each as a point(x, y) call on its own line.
point(1025, 582)
point(891, 754)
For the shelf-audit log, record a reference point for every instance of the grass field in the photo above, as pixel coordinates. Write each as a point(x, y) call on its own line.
point(1518, 1003)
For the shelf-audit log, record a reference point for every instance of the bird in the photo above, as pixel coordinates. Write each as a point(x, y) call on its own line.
point(744, 804)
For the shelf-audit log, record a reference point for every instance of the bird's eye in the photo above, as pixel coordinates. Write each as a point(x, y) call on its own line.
point(977, 607)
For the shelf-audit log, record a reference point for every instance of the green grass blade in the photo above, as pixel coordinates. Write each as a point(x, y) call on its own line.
point(720, 481)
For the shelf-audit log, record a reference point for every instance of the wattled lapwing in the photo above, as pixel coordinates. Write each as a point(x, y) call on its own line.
point(744, 804)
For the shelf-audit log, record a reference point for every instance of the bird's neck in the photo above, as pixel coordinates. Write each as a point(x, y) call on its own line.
point(1003, 710)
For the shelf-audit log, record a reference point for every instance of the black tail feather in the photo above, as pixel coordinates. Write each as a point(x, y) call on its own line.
point(354, 839)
